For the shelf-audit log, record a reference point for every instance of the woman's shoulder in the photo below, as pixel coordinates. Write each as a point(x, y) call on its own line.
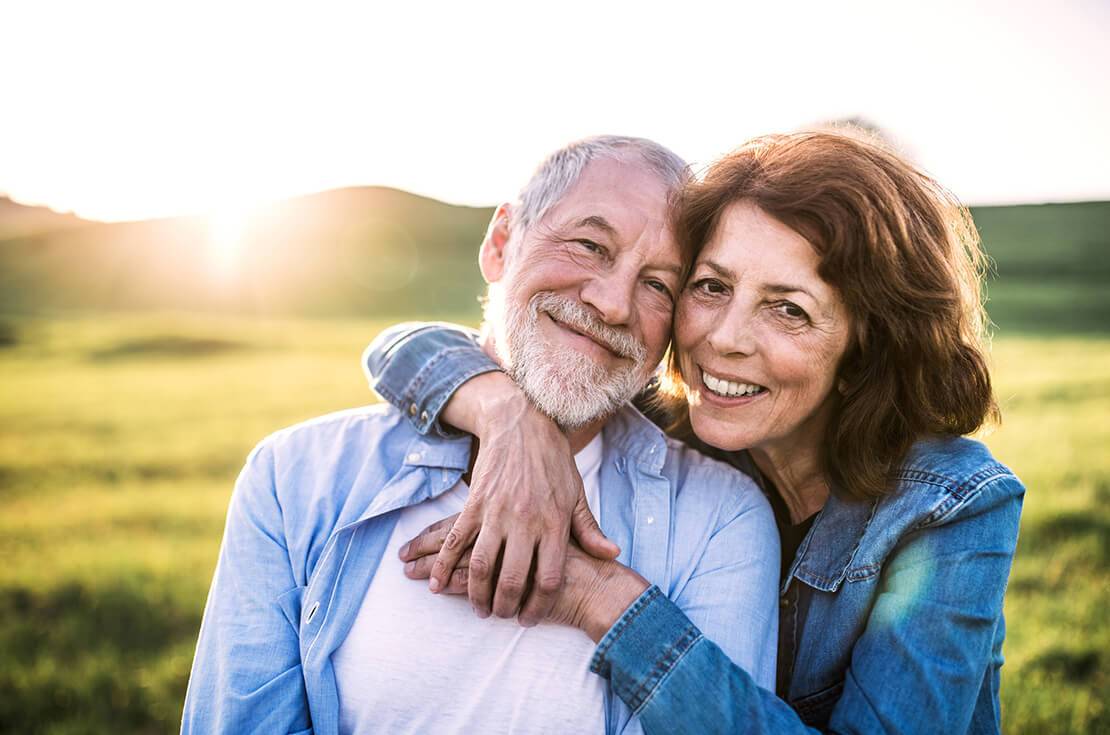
point(944, 477)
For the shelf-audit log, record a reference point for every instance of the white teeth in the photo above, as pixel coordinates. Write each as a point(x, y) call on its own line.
point(728, 388)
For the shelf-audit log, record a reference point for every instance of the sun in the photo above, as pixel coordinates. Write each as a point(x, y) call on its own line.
point(227, 230)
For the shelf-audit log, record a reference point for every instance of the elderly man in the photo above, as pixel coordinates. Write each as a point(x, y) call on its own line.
point(311, 623)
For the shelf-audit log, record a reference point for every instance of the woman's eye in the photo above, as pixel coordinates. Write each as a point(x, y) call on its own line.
point(708, 287)
point(791, 310)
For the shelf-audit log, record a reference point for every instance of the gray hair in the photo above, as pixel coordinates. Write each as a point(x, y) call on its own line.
point(560, 170)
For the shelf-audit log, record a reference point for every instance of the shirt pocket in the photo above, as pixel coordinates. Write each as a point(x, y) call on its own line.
point(815, 709)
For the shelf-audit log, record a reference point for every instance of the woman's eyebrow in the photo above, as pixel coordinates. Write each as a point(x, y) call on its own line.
point(719, 269)
point(787, 288)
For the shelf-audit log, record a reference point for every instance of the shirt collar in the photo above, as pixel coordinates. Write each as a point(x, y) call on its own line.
point(635, 438)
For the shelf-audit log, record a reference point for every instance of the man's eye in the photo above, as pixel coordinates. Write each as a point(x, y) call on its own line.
point(592, 246)
point(659, 286)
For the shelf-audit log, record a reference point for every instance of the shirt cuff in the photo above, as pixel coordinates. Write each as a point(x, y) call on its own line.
point(643, 647)
point(427, 392)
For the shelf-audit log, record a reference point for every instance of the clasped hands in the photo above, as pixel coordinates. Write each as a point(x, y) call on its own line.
point(511, 548)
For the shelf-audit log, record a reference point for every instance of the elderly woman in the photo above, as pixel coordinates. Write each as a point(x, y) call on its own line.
point(829, 341)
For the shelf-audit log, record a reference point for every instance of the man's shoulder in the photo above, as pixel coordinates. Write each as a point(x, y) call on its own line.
point(367, 430)
point(700, 478)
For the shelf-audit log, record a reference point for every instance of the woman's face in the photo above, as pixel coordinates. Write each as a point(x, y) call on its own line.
point(759, 336)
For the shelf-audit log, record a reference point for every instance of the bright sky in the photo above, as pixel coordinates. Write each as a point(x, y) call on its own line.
point(131, 110)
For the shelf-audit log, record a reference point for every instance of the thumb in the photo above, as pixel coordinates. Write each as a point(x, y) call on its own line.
point(584, 528)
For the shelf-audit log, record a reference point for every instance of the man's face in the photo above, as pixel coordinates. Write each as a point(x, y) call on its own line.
point(581, 302)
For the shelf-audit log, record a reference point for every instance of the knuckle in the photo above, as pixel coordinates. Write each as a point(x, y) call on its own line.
point(479, 568)
point(452, 540)
point(511, 585)
point(549, 584)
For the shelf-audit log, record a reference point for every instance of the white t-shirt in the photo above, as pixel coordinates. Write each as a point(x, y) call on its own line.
point(414, 662)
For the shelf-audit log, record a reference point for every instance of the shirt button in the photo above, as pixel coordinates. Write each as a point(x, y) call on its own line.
point(784, 602)
point(312, 611)
point(414, 457)
point(650, 520)
point(412, 410)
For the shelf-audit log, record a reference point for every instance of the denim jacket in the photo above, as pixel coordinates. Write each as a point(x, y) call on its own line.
point(890, 616)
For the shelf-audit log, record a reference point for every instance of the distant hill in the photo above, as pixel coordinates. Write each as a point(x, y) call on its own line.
point(356, 251)
point(20, 220)
point(372, 251)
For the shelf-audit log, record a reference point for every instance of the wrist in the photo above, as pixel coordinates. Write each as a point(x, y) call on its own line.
point(617, 589)
point(501, 403)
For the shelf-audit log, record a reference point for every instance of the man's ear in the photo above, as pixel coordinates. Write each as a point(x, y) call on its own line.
point(492, 256)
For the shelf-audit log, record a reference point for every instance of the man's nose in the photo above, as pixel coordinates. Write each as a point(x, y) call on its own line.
point(612, 295)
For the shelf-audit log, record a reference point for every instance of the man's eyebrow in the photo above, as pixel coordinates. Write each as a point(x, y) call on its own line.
point(598, 223)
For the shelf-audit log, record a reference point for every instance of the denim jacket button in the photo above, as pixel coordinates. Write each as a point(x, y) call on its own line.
point(412, 409)
point(424, 417)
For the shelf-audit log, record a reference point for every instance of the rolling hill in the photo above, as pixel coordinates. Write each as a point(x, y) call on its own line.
point(371, 251)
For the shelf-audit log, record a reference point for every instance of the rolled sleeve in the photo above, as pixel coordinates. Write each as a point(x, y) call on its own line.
point(418, 366)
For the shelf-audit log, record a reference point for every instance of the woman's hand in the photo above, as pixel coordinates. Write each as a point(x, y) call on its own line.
point(526, 498)
point(593, 596)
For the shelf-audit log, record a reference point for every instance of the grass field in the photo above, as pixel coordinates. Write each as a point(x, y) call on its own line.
point(120, 437)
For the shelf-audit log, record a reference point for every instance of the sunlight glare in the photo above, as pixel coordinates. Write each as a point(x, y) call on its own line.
point(226, 232)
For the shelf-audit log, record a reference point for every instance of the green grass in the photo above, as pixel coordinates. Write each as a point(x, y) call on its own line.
point(120, 437)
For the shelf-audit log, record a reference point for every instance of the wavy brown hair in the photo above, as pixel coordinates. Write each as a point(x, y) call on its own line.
point(905, 258)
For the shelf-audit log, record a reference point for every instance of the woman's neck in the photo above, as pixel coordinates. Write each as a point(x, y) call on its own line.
point(797, 476)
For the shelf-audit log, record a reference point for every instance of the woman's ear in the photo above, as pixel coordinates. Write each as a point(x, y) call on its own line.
point(492, 255)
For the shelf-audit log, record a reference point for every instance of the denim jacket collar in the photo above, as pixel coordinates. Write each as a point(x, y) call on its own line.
point(826, 553)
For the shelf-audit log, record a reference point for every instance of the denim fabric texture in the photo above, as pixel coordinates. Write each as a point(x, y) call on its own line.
point(890, 617)
point(315, 505)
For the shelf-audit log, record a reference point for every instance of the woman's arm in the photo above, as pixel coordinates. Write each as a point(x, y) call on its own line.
point(918, 666)
point(526, 496)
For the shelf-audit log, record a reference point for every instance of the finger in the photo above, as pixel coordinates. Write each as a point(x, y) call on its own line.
point(458, 583)
point(589, 535)
point(483, 562)
point(547, 580)
point(460, 536)
point(421, 567)
point(516, 568)
point(427, 541)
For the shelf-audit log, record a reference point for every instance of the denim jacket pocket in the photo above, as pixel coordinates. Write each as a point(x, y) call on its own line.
point(815, 709)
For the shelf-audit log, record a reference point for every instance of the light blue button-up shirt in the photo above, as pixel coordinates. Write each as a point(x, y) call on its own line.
point(315, 505)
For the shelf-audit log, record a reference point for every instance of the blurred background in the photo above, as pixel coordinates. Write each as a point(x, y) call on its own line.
point(208, 210)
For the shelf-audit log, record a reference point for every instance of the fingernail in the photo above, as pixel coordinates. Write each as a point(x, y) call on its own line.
point(410, 567)
point(433, 584)
point(403, 551)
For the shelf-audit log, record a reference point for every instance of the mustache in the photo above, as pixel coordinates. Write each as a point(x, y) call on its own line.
point(580, 319)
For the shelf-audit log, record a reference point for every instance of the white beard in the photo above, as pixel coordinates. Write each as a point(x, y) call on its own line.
point(564, 384)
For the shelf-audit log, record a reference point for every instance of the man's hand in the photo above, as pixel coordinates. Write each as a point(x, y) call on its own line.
point(526, 497)
point(593, 596)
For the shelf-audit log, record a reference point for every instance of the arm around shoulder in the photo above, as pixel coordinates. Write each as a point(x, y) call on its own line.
point(418, 366)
